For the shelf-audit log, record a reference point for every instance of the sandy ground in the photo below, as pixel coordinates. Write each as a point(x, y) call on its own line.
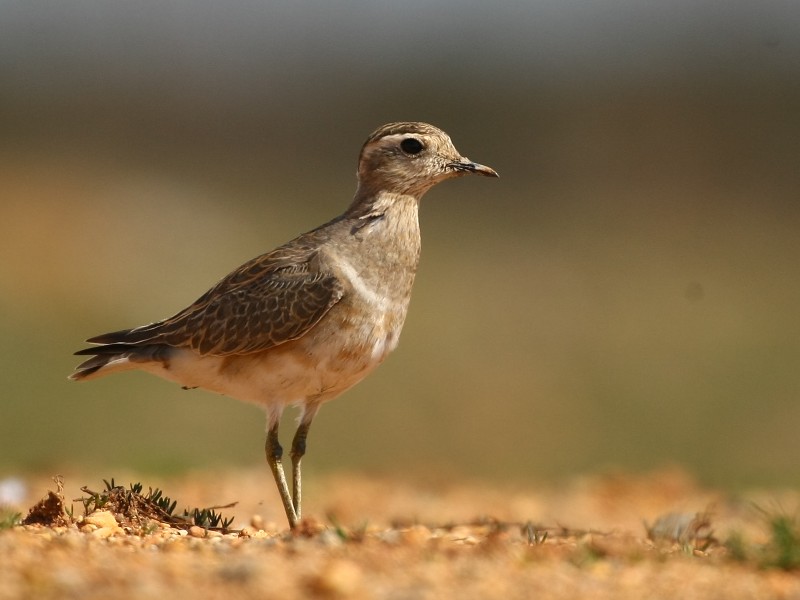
point(377, 537)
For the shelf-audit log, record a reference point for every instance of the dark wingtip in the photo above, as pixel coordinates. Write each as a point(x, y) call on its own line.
point(105, 349)
point(110, 338)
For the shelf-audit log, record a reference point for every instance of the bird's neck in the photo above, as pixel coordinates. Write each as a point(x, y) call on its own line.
point(389, 223)
point(369, 203)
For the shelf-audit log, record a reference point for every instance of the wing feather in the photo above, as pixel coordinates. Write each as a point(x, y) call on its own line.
point(268, 301)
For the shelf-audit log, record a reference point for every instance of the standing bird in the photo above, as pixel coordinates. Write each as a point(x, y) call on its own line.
point(305, 322)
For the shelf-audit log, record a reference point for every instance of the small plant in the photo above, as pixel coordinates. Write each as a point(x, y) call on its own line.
point(165, 503)
point(341, 532)
point(9, 519)
point(207, 518)
point(534, 535)
point(783, 549)
point(143, 512)
point(737, 547)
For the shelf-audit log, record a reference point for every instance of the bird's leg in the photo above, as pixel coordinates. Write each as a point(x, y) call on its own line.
point(298, 450)
point(274, 455)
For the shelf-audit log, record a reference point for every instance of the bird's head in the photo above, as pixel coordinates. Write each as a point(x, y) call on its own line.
point(410, 158)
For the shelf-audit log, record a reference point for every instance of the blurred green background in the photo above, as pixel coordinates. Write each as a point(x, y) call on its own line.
point(626, 294)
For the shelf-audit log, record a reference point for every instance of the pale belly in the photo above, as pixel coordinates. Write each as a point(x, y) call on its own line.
point(311, 370)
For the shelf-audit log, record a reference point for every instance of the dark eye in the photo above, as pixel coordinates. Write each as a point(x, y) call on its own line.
point(411, 146)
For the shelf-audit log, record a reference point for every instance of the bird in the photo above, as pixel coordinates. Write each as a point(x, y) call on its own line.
point(301, 324)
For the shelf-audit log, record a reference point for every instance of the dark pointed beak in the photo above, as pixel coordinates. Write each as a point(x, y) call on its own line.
point(466, 166)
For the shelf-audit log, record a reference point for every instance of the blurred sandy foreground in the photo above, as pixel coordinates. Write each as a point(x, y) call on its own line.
point(378, 537)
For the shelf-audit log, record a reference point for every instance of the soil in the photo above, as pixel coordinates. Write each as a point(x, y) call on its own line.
point(619, 536)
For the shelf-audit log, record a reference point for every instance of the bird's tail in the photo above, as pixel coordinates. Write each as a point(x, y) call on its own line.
point(114, 357)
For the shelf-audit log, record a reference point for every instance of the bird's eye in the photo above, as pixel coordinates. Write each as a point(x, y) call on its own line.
point(411, 146)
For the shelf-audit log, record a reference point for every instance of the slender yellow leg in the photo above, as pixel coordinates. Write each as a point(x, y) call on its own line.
point(298, 450)
point(274, 455)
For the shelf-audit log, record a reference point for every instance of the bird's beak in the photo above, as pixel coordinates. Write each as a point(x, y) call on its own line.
point(464, 165)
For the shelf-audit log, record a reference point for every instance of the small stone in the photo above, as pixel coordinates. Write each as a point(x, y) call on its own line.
point(339, 578)
point(390, 536)
point(105, 532)
point(469, 540)
point(460, 532)
point(330, 538)
point(257, 522)
point(416, 535)
point(196, 531)
point(101, 518)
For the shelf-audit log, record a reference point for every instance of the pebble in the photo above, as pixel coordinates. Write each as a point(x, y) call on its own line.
point(330, 538)
point(416, 535)
point(261, 534)
point(390, 536)
point(469, 540)
point(257, 522)
point(101, 524)
point(101, 518)
point(196, 531)
point(340, 578)
point(104, 532)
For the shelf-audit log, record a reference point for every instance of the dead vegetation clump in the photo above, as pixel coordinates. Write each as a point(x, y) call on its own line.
point(137, 512)
point(51, 510)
